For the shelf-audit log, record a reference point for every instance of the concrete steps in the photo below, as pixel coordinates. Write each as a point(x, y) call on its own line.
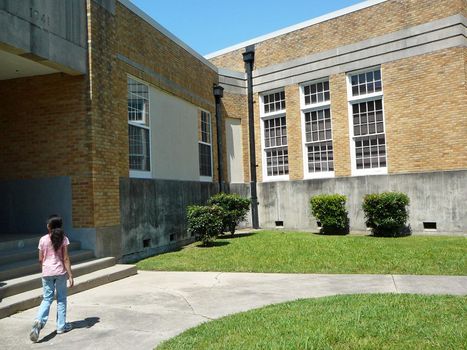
point(32, 298)
point(27, 253)
point(21, 284)
point(20, 276)
point(31, 266)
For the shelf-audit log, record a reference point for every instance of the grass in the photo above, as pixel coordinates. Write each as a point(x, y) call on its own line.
point(295, 252)
point(380, 321)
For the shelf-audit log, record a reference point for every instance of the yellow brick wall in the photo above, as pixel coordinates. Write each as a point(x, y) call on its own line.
point(294, 132)
point(387, 17)
point(427, 90)
point(174, 71)
point(45, 132)
point(235, 106)
point(142, 43)
point(109, 131)
point(425, 104)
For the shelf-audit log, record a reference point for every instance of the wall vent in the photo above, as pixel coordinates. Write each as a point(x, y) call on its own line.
point(279, 223)
point(429, 226)
point(146, 243)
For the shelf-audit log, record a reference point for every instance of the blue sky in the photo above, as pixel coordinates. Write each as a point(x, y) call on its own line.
point(211, 25)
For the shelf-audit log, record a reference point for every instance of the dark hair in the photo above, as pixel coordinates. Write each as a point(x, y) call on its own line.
point(54, 221)
point(56, 236)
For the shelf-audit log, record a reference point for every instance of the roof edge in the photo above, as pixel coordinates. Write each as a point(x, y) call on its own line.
point(360, 6)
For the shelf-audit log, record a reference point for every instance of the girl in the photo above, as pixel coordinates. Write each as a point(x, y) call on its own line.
point(55, 262)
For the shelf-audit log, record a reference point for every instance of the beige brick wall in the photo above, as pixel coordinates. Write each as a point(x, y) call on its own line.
point(377, 20)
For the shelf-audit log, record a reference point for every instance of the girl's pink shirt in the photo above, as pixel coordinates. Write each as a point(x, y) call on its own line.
point(52, 261)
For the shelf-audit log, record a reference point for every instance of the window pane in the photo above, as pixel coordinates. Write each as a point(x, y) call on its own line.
point(274, 102)
point(139, 152)
point(138, 101)
point(205, 168)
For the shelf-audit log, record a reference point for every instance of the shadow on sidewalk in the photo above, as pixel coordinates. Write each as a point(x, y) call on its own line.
point(88, 322)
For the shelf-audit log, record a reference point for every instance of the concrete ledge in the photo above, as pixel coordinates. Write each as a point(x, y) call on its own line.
point(434, 197)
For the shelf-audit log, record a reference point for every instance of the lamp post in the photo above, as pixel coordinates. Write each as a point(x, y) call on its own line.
point(218, 92)
point(249, 59)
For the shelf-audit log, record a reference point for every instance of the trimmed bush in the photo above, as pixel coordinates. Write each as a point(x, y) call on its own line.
point(235, 209)
point(387, 213)
point(329, 209)
point(205, 222)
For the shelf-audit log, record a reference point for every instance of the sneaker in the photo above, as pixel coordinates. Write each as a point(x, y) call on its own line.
point(36, 328)
point(68, 327)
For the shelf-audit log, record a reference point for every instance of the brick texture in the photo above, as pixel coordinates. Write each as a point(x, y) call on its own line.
point(425, 99)
point(45, 132)
point(235, 106)
point(166, 66)
point(425, 105)
point(377, 20)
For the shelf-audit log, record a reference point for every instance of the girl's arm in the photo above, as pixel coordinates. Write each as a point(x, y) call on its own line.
point(66, 260)
point(41, 257)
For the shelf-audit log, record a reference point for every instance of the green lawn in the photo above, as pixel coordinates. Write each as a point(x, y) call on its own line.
point(295, 252)
point(380, 321)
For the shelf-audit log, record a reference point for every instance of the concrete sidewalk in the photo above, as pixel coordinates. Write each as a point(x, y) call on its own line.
point(141, 311)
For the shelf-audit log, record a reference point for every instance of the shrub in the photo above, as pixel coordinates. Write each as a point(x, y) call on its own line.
point(329, 209)
point(235, 209)
point(386, 213)
point(205, 222)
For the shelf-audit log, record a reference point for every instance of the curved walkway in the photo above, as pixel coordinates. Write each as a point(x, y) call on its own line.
point(141, 311)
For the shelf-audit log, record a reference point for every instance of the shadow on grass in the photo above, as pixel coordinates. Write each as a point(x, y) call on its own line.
point(404, 232)
point(213, 244)
point(227, 235)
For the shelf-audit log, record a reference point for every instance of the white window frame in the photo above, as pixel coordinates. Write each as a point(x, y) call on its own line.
point(143, 174)
point(266, 116)
point(359, 99)
point(311, 108)
point(206, 178)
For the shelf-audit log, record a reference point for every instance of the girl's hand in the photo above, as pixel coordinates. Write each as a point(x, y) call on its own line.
point(70, 282)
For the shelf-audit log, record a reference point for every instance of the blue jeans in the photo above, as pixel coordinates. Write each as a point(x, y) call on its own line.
point(50, 284)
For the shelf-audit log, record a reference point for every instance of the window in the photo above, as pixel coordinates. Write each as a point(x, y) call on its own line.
point(317, 129)
point(138, 126)
point(368, 139)
point(274, 136)
point(205, 147)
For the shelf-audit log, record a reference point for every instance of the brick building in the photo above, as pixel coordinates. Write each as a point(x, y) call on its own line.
point(110, 120)
point(378, 88)
point(106, 118)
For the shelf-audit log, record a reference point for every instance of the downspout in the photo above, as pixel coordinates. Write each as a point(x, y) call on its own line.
point(249, 58)
point(218, 92)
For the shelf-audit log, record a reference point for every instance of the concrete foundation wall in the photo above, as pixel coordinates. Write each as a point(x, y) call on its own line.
point(26, 204)
point(434, 197)
point(154, 211)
